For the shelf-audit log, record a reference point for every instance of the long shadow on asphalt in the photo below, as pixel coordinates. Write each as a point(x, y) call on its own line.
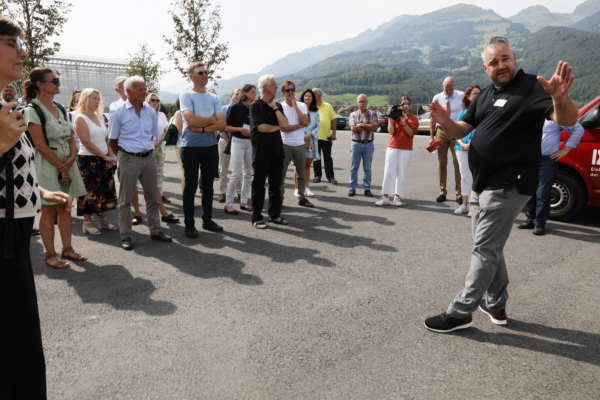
point(321, 216)
point(581, 346)
point(107, 284)
point(432, 206)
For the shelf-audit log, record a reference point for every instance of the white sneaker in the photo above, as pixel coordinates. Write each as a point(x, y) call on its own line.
point(469, 214)
point(461, 210)
point(397, 202)
point(308, 193)
point(296, 192)
point(384, 201)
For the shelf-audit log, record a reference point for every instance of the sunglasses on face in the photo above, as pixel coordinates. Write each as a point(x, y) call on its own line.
point(405, 105)
point(155, 100)
point(56, 81)
point(289, 90)
point(202, 73)
point(17, 43)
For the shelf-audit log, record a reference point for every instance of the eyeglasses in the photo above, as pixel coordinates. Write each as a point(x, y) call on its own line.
point(56, 81)
point(17, 43)
point(405, 105)
point(202, 73)
point(289, 90)
point(155, 100)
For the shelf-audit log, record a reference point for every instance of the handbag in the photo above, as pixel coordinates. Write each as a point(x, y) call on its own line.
point(172, 134)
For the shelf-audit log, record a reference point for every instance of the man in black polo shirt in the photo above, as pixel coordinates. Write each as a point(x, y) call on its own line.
point(266, 121)
point(504, 158)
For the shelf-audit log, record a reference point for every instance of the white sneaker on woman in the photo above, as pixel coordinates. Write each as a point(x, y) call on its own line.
point(384, 201)
point(296, 192)
point(461, 210)
point(397, 202)
point(308, 193)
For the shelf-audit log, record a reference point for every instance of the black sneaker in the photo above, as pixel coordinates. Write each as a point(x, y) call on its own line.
point(526, 225)
point(539, 230)
point(222, 198)
point(498, 318)
point(368, 193)
point(212, 226)
point(459, 200)
point(332, 181)
point(352, 192)
point(305, 203)
point(317, 179)
point(191, 232)
point(440, 198)
point(165, 200)
point(444, 323)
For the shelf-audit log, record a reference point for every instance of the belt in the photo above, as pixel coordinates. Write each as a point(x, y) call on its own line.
point(362, 141)
point(144, 154)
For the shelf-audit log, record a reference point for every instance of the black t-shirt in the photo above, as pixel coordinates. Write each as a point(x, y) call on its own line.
point(238, 115)
point(506, 148)
point(265, 145)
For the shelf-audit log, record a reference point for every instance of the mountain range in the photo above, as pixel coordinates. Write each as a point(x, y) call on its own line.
point(436, 44)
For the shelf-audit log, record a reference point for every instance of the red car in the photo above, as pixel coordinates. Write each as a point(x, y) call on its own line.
point(578, 179)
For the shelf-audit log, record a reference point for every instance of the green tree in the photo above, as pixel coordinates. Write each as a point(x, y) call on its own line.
point(197, 28)
point(141, 64)
point(41, 20)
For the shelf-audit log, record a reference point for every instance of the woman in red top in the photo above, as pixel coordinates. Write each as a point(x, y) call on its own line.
point(398, 154)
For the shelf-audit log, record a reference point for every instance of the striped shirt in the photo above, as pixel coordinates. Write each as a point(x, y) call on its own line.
point(357, 118)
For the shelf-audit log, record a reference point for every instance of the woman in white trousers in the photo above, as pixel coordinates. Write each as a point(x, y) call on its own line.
point(238, 123)
point(398, 153)
point(462, 151)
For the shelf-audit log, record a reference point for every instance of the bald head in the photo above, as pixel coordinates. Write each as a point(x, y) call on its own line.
point(363, 102)
point(448, 85)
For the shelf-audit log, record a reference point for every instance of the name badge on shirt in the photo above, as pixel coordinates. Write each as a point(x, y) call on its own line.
point(500, 103)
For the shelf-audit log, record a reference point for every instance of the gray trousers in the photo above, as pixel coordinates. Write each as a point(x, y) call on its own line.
point(298, 154)
point(493, 215)
point(130, 169)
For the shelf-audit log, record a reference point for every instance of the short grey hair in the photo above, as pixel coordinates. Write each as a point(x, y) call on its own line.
point(129, 83)
point(493, 42)
point(118, 81)
point(318, 92)
point(265, 80)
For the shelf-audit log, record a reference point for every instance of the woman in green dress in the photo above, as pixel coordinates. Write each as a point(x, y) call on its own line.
point(54, 161)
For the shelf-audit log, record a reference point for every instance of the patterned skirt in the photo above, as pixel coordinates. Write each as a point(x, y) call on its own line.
point(100, 185)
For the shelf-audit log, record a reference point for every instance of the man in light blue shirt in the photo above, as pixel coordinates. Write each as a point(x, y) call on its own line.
point(202, 116)
point(130, 130)
point(538, 207)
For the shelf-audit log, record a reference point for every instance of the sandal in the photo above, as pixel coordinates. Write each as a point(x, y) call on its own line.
point(35, 232)
point(110, 226)
point(136, 220)
point(281, 221)
point(259, 225)
point(76, 256)
point(59, 263)
point(92, 230)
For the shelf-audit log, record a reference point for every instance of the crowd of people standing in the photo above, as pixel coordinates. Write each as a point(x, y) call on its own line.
point(51, 156)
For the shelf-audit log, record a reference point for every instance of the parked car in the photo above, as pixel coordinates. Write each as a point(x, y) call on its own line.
point(424, 120)
point(383, 122)
point(578, 179)
point(340, 122)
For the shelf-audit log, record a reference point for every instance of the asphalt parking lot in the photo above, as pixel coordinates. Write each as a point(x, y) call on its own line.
point(329, 307)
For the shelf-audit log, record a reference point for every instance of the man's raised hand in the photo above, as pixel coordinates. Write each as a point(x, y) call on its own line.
point(561, 81)
point(438, 113)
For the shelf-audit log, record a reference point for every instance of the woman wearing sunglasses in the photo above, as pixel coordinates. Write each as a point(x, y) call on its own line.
point(398, 154)
point(54, 161)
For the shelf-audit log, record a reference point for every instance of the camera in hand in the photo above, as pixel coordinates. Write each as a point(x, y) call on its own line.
point(396, 112)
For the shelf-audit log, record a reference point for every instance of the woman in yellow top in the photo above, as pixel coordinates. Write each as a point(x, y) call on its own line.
point(54, 162)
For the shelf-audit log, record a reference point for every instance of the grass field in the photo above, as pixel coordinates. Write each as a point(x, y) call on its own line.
point(349, 99)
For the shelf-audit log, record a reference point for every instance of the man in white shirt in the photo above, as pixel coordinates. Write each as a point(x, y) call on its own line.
point(292, 136)
point(437, 132)
point(119, 88)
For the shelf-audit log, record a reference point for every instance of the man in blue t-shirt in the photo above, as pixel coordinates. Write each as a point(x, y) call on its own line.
point(202, 117)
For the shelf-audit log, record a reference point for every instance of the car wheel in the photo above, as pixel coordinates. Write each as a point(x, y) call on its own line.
point(567, 197)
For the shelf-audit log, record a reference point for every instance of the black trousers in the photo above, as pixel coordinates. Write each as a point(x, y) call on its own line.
point(325, 153)
point(205, 160)
point(22, 365)
point(272, 169)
